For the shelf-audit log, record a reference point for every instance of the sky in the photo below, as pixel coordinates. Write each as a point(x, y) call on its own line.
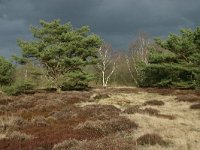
point(118, 22)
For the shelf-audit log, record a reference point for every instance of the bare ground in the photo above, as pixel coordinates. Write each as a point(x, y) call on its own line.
point(115, 118)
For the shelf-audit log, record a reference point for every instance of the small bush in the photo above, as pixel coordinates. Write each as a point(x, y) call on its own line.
point(188, 98)
point(108, 127)
point(101, 96)
point(151, 139)
point(18, 88)
point(133, 109)
point(6, 72)
point(170, 117)
point(154, 102)
point(151, 111)
point(195, 106)
point(76, 81)
point(101, 112)
point(119, 124)
point(136, 109)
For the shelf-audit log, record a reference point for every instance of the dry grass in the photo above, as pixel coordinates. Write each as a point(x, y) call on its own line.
point(176, 123)
point(11, 123)
point(8, 125)
point(39, 121)
point(113, 142)
point(67, 144)
point(20, 136)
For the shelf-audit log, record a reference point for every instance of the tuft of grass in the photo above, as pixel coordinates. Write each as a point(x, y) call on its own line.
point(195, 106)
point(164, 116)
point(151, 111)
point(154, 102)
point(120, 124)
point(5, 100)
point(101, 112)
point(39, 121)
point(101, 96)
point(113, 142)
point(132, 109)
point(188, 98)
point(8, 123)
point(136, 109)
point(20, 136)
point(107, 127)
point(151, 139)
point(67, 144)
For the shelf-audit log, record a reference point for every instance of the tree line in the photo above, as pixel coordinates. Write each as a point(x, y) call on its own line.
point(67, 58)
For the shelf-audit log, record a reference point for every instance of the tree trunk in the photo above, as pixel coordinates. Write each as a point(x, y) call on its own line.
point(103, 79)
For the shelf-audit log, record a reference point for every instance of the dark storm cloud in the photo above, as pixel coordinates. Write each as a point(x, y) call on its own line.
point(117, 21)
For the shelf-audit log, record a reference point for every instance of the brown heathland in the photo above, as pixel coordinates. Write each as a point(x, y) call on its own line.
point(113, 118)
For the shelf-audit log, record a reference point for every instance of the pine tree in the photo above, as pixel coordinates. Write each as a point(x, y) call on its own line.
point(61, 49)
point(176, 63)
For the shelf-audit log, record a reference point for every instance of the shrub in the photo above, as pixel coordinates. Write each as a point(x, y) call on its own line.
point(6, 72)
point(151, 111)
point(154, 102)
point(175, 63)
point(151, 139)
point(101, 96)
point(188, 98)
point(18, 88)
point(76, 81)
point(195, 106)
point(133, 109)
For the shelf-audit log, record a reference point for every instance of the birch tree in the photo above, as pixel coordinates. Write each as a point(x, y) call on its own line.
point(106, 65)
point(138, 53)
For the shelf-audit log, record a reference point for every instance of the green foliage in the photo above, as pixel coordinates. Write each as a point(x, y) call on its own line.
point(168, 75)
point(31, 73)
point(60, 48)
point(177, 64)
point(18, 87)
point(6, 72)
point(76, 81)
point(161, 57)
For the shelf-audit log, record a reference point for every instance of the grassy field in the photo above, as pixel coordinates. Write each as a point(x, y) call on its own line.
point(101, 119)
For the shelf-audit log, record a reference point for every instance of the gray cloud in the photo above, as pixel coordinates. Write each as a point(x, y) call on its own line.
point(117, 21)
